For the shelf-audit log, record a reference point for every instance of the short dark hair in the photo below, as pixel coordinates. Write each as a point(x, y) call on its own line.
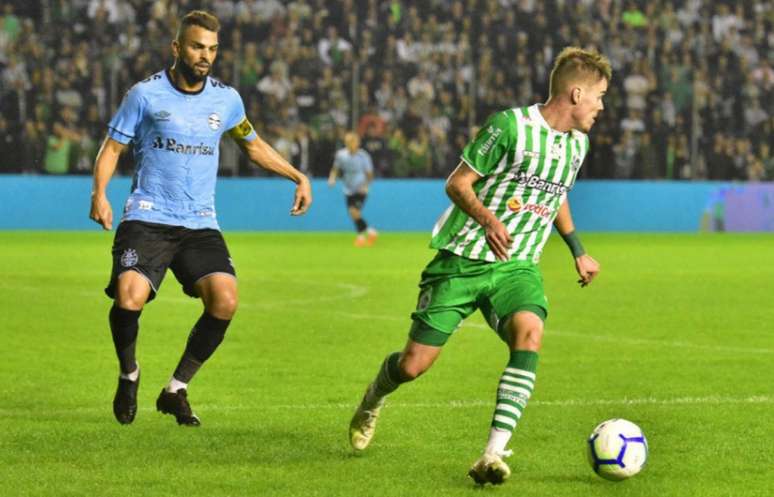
point(198, 18)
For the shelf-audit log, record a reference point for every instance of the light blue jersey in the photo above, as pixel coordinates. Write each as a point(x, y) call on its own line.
point(354, 169)
point(175, 136)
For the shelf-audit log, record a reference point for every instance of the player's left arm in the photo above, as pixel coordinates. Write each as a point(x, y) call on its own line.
point(262, 154)
point(585, 265)
point(333, 174)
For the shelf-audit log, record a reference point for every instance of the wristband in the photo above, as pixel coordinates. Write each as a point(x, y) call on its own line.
point(573, 243)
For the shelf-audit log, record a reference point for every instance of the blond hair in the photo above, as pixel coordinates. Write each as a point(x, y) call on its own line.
point(574, 64)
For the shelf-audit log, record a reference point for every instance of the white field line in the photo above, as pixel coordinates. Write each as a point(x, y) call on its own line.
point(712, 400)
point(470, 403)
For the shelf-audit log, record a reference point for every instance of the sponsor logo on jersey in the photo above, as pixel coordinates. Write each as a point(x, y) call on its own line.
point(539, 210)
point(162, 115)
point(129, 257)
point(171, 145)
point(538, 183)
point(493, 134)
point(213, 120)
point(514, 205)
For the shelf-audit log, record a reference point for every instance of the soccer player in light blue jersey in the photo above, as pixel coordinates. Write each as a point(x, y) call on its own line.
point(354, 166)
point(174, 121)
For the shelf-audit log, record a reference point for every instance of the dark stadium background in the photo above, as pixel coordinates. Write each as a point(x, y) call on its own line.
point(691, 96)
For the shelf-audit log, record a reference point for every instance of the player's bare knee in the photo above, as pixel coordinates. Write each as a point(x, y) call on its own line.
point(412, 366)
point(526, 331)
point(129, 298)
point(223, 306)
point(530, 338)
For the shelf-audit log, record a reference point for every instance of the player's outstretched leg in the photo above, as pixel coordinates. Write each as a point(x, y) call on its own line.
point(397, 368)
point(124, 325)
point(363, 423)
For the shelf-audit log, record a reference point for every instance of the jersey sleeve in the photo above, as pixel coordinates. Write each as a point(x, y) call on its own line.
point(123, 126)
point(238, 126)
point(491, 143)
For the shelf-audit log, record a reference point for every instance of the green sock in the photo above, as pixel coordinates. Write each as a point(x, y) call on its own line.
point(513, 392)
point(387, 380)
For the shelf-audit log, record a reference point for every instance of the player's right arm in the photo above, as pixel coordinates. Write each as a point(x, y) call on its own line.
point(104, 167)
point(459, 188)
point(121, 131)
point(480, 158)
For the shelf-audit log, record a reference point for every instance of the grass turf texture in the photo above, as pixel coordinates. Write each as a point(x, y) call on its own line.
point(675, 335)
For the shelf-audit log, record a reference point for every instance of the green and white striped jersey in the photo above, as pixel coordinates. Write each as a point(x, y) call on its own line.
point(526, 170)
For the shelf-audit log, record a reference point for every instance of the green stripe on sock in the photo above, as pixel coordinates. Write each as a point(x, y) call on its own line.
point(507, 414)
point(523, 359)
point(502, 426)
point(515, 384)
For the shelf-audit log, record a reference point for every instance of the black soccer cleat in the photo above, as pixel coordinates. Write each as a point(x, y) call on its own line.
point(177, 405)
point(125, 401)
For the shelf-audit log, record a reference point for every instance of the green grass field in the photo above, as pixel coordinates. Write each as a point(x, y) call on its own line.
point(675, 335)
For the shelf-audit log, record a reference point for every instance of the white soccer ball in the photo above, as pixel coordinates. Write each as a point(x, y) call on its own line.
point(617, 449)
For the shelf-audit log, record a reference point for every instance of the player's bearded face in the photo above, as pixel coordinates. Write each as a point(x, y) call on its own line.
point(195, 53)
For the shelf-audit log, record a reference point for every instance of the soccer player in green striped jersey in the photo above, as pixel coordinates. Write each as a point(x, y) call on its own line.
point(509, 188)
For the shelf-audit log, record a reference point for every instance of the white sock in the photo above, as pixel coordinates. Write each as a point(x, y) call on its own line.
point(174, 385)
point(498, 439)
point(133, 375)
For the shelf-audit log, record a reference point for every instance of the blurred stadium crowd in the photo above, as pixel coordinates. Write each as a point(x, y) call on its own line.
point(692, 95)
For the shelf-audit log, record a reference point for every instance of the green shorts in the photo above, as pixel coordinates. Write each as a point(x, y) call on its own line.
point(453, 287)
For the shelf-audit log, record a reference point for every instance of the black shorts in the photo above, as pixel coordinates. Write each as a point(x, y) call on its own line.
point(356, 200)
point(150, 249)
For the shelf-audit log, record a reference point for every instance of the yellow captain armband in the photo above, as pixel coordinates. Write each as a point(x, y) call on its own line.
point(241, 130)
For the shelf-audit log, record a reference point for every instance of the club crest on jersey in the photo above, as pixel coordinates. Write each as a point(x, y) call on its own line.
point(214, 121)
point(129, 258)
point(514, 204)
point(424, 299)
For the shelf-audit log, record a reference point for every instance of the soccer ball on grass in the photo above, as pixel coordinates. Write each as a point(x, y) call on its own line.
point(617, 449)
